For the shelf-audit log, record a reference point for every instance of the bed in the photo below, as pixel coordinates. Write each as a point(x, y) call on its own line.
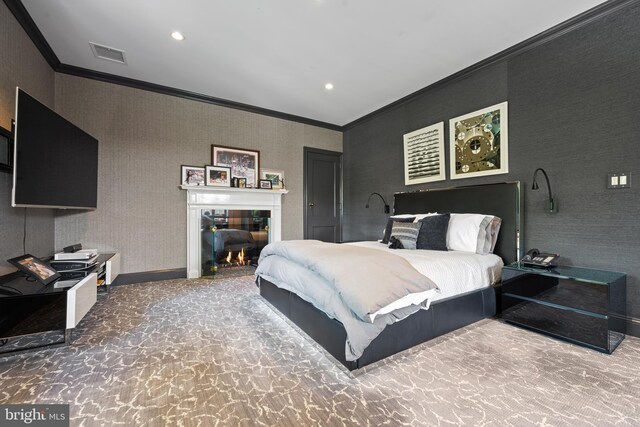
point(445, 314)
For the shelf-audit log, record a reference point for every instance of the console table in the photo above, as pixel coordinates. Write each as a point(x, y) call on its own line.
point(580, 305)
point(107, 269)
point(28, 308)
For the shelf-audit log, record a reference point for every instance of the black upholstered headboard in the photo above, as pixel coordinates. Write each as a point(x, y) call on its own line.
point(502, 199)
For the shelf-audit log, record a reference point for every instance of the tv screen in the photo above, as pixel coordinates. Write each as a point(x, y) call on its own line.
point(55, 162)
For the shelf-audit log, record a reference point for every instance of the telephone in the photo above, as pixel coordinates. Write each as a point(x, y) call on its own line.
point(535, 258)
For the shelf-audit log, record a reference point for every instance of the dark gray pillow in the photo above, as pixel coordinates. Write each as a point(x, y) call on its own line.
point(387, 230)
point(433, 232)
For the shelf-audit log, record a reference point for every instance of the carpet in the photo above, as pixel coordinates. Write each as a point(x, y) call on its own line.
point(212, 352)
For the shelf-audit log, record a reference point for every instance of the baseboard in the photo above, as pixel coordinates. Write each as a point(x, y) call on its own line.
point(633, 327)
point(150, 276)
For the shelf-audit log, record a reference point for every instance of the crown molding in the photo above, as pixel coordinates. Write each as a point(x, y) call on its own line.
point(185, 94)
point(24, 19)
point(22, 16)
point(544, 37)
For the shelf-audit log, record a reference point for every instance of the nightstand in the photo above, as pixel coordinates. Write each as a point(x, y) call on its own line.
point(580, 305)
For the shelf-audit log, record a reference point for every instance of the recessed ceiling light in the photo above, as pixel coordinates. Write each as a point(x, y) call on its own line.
point(177, 35)
point(328, 86)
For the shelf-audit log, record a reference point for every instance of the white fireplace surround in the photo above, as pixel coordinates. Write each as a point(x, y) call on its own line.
point(202, 197)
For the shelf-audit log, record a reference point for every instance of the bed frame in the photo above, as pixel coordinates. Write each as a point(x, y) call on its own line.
point(502, 199)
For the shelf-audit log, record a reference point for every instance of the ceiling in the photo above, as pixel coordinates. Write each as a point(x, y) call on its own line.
point(279, 54)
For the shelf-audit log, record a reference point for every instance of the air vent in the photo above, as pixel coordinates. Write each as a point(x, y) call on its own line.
point(108, 53)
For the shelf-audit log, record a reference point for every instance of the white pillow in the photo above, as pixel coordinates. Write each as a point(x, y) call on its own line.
point(468, 233)
point(421, 216)
point(492, 235)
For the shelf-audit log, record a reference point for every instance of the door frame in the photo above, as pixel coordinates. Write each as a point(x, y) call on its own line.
point(306, 151)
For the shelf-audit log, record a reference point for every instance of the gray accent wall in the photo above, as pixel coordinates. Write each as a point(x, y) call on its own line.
point(21, 65)
point(144, 139)
point(573, 110)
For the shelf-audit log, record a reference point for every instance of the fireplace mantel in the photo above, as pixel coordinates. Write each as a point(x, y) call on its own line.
point(203, 197)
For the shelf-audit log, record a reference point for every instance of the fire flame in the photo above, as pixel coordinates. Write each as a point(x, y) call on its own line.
point(240, 260)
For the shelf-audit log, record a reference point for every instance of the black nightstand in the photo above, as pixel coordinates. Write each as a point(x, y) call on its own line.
point(580, 305)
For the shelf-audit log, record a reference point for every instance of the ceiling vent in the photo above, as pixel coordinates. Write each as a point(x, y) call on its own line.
point(108, 53)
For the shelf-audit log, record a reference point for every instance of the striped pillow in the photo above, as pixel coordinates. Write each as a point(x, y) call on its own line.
point(406, 232)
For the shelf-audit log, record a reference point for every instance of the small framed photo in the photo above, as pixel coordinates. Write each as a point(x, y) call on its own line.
point(242, 182)
point(266, 184)
point(218, 176)
point(192, 176)
point(36, 268)
point(275, 176)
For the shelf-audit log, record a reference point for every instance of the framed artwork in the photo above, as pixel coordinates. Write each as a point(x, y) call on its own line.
point(266, 184)
point(6, 151)
point(192, 176)
point(424, 155)
point(275, 176)
point(36, 268)
point(242, 182)
point(218, 176)
point(478, 143)
point(243, 163)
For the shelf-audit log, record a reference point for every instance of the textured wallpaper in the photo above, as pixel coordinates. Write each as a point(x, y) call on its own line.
point(21, 65)
point(144, 138)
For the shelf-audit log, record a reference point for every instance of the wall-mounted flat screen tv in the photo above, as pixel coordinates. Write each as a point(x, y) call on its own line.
point(55, 162)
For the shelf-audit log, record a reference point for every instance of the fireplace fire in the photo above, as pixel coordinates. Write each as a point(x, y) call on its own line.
point(234, 261)
point(232, 238)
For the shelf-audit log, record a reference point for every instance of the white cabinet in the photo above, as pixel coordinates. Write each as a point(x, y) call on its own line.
point(112, 269)
point(80, 298)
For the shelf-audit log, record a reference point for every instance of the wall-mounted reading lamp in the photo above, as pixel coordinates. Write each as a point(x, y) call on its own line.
point(552, 205)
point(386, 206)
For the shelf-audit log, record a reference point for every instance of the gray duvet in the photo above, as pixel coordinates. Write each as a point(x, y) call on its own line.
point(348, 283)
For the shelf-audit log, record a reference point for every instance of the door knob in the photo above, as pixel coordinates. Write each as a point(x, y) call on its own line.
point(311, 204)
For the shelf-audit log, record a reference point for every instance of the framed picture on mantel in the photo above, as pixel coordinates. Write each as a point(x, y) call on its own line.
point(243, 163)
point(275, 176)
point(218, 176)
point(192, 176)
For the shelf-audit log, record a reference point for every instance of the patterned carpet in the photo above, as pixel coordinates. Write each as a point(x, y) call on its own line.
point(201, 353)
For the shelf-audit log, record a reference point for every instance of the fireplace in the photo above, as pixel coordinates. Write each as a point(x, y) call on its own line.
point(237, 220)
point(232, 238)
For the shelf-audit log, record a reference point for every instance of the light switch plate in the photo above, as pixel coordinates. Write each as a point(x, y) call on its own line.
point(619, 180)
point(625, 180)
